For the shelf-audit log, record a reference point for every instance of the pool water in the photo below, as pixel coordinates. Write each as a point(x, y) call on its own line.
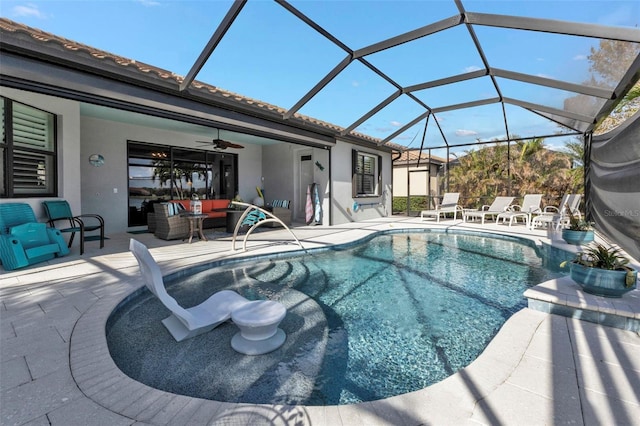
point(400, 312)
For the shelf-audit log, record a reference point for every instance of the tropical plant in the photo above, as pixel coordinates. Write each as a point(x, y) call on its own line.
point(177, 176)
point(599, 256)
point(577, 223)
point(485, 173)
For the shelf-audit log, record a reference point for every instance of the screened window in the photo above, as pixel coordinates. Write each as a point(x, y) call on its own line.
point(366, 174)
point(27, 151)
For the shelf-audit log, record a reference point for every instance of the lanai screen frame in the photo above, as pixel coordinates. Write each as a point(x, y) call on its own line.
point(578, 124)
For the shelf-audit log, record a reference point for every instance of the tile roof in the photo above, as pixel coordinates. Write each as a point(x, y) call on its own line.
point(413, 154)
point(149, 73)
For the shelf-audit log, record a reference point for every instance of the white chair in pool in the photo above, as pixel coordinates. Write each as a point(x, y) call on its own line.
point(449, 205)
point(499, 205)
point(185, 323)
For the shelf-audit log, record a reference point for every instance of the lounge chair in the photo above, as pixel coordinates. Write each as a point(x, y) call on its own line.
point(58, 210)
point(531, 204)
point(499, 205)
point(24, 241)
point(185, 323)
point(556, 217)
point(449, 204)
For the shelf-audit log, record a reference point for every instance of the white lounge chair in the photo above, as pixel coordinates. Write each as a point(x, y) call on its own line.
point(556, 217)
point(531, 204)
point(449, 204)
point(499, 205)
point(185, 323)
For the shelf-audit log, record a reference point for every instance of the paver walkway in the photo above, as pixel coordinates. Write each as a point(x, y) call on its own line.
point(55, 367)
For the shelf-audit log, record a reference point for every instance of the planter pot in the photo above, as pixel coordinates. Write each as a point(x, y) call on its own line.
point(602, 282)
point(577, 237)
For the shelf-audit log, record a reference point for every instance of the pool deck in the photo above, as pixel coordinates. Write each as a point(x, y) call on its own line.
point(540, 369)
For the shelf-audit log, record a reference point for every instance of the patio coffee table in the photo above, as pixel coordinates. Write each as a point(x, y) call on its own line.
point(195, 224)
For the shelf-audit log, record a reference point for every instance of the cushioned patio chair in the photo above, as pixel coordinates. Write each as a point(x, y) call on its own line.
point(449, 204)
point(556, 217)
point(499, 205)
point(24, 241)
point(531, 204)
point(168, 223)
point(281, 210)
point(59, 210)
point(185, 323)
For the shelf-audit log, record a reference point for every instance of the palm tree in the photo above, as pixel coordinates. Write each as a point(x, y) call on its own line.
point(575, 149)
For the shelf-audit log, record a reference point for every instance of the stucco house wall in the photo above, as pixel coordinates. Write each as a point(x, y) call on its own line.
point(105, 187)
point(343, 201)
point(103, 190)
point(69, 140)
point(417, 180)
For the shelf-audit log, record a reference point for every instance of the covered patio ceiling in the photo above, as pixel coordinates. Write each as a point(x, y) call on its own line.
point(437, 74)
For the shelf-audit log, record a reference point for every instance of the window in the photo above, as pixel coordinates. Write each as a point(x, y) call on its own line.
point(366, 174)
point(160, 172)
point(27, 151)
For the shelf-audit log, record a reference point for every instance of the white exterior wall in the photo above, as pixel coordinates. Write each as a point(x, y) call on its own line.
point(371, 207)
point(109, 139)
point(103, 190)
point(281, 182)
point(418, 181)
point(69, 156)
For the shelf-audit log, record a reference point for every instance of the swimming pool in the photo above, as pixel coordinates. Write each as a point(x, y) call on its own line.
point(365, 322)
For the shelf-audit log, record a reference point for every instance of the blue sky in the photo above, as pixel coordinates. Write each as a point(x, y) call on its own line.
point(272, 56)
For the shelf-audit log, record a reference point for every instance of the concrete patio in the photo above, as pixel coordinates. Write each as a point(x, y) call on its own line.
point(55, 366)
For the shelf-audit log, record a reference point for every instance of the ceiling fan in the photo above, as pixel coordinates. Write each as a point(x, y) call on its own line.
point(220, 144)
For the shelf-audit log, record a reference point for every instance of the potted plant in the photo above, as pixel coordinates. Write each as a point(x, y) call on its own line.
point(579, 230)
point(603, 271)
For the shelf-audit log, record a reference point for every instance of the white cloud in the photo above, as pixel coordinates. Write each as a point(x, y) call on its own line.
point(396, 123)
point(472, 68)
point(355, 83)
point(29, 10)
point(580, 57)
point(461, 132)
point(149, 3)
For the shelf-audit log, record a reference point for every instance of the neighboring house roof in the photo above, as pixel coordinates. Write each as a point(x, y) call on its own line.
point(412, 156)
point(35, 42)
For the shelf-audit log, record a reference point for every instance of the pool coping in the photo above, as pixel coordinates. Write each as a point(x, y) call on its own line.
point(483, 392)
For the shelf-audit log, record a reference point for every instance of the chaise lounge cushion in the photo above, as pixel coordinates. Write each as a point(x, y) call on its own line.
point(281, 210)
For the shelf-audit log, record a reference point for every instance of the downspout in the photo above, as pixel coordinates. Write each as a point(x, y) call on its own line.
point(330, 188)
point(429, 182)
point(408, 186)
point(393, 160)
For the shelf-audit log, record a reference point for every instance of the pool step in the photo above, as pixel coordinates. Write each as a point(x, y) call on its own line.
point(562, 296)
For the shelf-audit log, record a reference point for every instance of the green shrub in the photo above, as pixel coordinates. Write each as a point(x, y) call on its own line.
point(417, 203)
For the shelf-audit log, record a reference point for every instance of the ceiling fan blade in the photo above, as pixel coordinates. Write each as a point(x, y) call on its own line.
point(227, 144)
point(221, 144)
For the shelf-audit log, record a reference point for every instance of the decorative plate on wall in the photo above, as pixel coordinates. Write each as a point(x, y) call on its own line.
point(96, 160)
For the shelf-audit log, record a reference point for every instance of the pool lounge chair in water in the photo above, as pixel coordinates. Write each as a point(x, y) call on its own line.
point(185, 323)
point(499, 205)
point(449, 205)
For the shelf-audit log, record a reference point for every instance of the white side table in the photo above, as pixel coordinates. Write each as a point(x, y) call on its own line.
point(258, 323)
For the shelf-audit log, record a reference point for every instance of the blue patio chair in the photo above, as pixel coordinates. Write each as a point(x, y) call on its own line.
point(24, 241)
point(58, 210)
